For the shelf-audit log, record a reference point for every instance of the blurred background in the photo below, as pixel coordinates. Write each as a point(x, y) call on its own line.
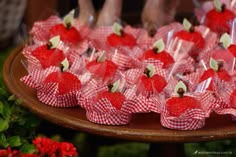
point(17, 18)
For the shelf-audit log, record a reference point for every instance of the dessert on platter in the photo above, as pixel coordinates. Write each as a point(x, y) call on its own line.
point(183, 72)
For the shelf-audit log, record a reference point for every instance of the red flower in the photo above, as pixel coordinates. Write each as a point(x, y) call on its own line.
point(46, 146)
point(9, 153)
point(67, 150)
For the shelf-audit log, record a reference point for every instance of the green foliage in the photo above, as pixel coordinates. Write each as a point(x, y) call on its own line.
point(124, 150)
point(17, 125)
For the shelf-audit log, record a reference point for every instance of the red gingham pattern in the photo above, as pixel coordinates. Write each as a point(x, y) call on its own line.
point(84, 30)
point(133, 31)
point(40, 30)
point(48, 94)
point(121, 60)
point(158, 67)
point(192, 119)
point(37, 76)
point(102, 112)
point(132, 76)
point(144, 104)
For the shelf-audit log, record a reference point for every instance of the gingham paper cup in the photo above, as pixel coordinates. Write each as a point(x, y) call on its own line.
point(103, 112)
point(191, 120)
point(48, 94)
point(146, 104)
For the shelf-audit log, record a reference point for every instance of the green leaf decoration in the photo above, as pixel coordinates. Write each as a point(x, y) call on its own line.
point(3, 141)
point(102, 57)
point(1, 108)
point(179, 85)
point(65, 64)
point(14, 141)
point(151, 69)
point(115, 86)
point(225, 40)
point(187, 25)
point(28, 149)
point(68, 19)
point(19, 101)
point(160, 45)
point(55, 41)
point(6, 113)
point(214, 64)
point(218, 5)
point(4, 125)
point(117, 28)
point(12, 98)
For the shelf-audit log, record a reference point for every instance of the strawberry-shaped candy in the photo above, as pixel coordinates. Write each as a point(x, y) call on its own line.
point(120, 38)
point(115, 97)
point(179, 104)
point(191, 35)
point(151, 81)
point(223, 51)
point(102, 67)
point(67, 82)
point(219, 18)
point(48, 54)
point(66, 31)
point(215, 70)
point(158, 53)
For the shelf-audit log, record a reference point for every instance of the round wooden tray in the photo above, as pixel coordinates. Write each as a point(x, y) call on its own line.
point(143, 127)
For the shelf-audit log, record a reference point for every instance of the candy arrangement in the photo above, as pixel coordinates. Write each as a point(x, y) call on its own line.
point(183, 72)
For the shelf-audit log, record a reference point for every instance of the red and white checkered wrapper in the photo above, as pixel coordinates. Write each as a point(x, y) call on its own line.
point(33, 63)
point(191, 119)
point(208, 5)
point(103, 112)
point(223, 93)
point(41, 32)
point(37, 76)
point(145, 104)
point(98, 38)
point(165, 32)
point(132, 76)
point(48, 94)
point(40, 29)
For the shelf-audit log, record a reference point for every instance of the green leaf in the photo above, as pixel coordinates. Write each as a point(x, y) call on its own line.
point(19, 101)
point(214, 64)
point(14, 141)
point(180, 85)
point(225, 40)
point(160, 45)
point(151, 69)
point(3, 92)
point(55, 41)
point(65, 64)
point(12, 98)
point(68, 19)
point(218, 5)
point(3, 141)
point(28, 148)
point(1, 107)
point(187, 25)
point(117, 28)
point(6, 112)
point(115, 86)
point(3, 125)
